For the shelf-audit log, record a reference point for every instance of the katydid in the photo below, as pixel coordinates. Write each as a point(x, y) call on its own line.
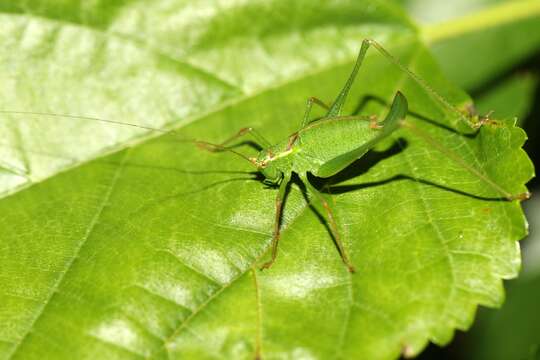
point(328, 145)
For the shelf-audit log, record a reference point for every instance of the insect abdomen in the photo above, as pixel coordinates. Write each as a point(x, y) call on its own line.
point(323, 141)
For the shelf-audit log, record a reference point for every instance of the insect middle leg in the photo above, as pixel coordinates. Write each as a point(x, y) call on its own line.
point(277, 221)
point(332, 222)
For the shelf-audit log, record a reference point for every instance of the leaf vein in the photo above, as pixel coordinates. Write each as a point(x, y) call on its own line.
point(58, 283)
point(233, 281)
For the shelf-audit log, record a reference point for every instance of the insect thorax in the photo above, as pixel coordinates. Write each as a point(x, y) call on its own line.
point(276, 160)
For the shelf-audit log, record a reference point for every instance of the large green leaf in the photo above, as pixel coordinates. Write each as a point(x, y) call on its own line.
point(153, 250)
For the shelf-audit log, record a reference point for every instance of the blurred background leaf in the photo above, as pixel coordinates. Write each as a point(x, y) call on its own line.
point(513, 97)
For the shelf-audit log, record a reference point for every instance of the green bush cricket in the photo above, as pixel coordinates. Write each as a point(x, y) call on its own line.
point(326, 146)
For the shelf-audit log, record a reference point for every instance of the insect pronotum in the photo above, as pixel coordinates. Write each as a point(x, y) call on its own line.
point(316, 147)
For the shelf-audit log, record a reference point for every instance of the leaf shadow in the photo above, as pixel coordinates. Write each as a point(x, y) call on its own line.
point(320, 217)
point(341, 189)
point(327, 185)
point(255, 176)
point(177, 170)
point(373, 157)
point(248, 143)
point(362, 165)
point(250, 176)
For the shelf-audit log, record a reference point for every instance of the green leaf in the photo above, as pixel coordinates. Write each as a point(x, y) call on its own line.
point(153, 250)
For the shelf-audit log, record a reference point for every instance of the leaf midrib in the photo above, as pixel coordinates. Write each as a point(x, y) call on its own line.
point(176, 125)
point(432, 34)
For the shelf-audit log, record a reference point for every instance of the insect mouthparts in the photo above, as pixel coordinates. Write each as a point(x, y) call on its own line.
point(260, 164)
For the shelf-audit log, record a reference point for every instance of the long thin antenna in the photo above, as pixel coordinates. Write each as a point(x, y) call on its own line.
point(90, 118)
point(200, 144)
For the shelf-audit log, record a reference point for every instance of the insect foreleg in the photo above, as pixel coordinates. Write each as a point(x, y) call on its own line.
point(458, 160)
point(331, 220)
point(242, 132)
point(309, 105)
point(277, 220)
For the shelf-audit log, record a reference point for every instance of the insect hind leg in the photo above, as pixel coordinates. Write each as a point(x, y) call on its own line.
point(471, 119)
point(462, 163)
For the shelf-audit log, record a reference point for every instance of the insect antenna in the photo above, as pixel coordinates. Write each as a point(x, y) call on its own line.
point(201, 144)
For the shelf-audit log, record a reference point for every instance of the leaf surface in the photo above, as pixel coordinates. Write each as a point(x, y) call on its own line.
point(153, 250)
